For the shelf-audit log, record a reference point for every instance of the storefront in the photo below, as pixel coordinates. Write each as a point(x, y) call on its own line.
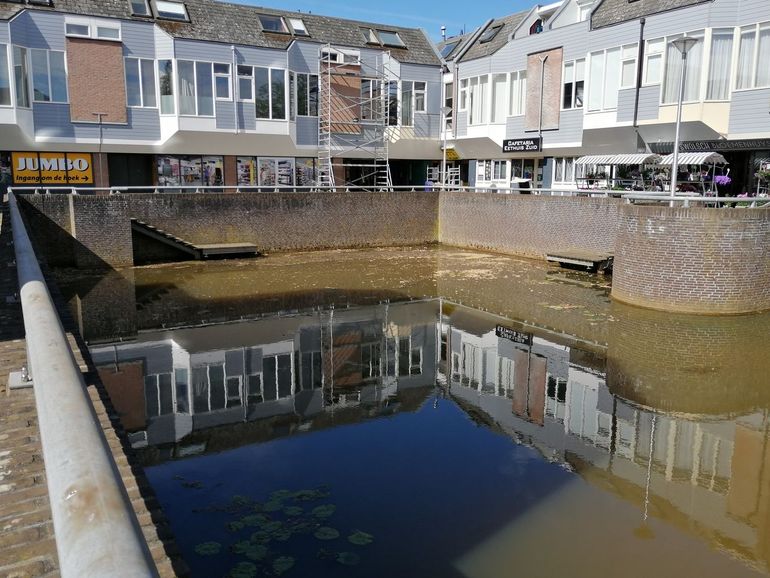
point(275, 172)
point(30, 169)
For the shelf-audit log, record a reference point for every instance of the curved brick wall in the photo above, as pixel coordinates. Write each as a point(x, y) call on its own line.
point(693, 260)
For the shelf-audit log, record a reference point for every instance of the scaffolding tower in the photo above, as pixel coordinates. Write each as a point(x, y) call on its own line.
point(355, 98)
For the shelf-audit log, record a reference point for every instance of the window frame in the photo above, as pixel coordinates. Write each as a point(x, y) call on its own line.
point(573, 84)
point(700, 34)
point(298, 31)
point(173, 80)
point(140, 78)
point(396, 40)
point(195, 95)
point(25, 83)
point(9, 72)
point(147, 14)
point(660, 54)
point(269, 17)
point(308, 92)
point(49, 77)
point(286, 91)
point(93, 26)
point(420, 91)
point(518, 88)
point(490, 33)
point(756, 29)
point(250, 77)
point(162, 14)
point(227, 76)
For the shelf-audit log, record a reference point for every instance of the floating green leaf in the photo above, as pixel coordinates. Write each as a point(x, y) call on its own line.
point(360, 538)
point(326, 533)
point(239, 500)
point(348, 558)
point(282, 535)
point(208, 549)
point(305, 495)
point(235, 526)
point(242, 547)
point(279, 495)
point(324, 554)
point(271, 525)
point(300, 526)
point(273, 506)
point(324, 511)
point(283, 564)
point(254, 520)
point(293, 511)
point(257, 552)
point(261, 537)
point(244, 570)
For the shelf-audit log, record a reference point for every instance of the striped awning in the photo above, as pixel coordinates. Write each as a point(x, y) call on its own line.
point(761, 162)
point(695, 159)
point(625, 159)
point(636, 159)
point(595, 160)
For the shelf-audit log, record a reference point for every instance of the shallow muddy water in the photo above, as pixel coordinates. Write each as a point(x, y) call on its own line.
point(434, 412)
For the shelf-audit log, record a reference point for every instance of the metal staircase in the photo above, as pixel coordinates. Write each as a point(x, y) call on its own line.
point(353, 126)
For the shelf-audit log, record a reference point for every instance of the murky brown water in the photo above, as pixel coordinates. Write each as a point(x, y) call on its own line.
point(650, 430)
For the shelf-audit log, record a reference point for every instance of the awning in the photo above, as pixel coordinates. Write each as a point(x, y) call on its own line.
point(695, 159)
point(595, 160)
point(624, 159)
point(636, 159)
point(761, 162)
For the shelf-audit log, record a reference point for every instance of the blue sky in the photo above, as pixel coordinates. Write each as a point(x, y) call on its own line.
point(454, 14)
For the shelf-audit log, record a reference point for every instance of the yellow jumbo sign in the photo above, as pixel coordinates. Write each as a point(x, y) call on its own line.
point(52, 168)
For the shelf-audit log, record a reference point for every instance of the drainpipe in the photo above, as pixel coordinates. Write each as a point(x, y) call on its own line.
point(542, 95)
point(234, 83)
point(639, 61)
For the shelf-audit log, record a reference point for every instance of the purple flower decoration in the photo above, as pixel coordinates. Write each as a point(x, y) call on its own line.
point(722, 180)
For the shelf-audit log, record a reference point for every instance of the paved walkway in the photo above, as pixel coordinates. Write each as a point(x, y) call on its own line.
point(27, 545)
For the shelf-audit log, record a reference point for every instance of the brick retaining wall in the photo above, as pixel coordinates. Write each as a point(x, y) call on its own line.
point(528, 225)
point(694, 260)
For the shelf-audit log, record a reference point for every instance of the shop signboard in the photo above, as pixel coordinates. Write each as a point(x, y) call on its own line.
point(513, 335)
point(31, 168)
point(522, 145)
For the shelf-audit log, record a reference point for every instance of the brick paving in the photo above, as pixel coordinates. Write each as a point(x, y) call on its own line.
point(27, 543)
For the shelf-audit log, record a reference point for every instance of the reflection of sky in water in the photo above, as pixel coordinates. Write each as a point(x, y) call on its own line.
point(540, 460)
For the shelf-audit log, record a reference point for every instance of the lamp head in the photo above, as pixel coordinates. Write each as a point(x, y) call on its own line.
point(684, 44)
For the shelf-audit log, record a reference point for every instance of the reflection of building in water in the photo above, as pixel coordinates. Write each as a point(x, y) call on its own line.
point(703, 474)
point(166, 385)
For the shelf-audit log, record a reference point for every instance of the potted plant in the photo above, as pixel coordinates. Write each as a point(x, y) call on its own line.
point(724, 184)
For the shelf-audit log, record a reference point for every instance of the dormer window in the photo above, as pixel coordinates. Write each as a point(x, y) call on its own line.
point(537, 27)
point(389, 38)
point(140, 8)
point(168, 10)
point(490, 33)
point(449, 48)
point(273, 24)
point(298, 27)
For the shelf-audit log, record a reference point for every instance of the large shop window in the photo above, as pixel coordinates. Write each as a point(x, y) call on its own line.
point(190, 171)
point(5, 77)
point(275, 172)
point(754, 57)
point(672, 76)
point(269, 91)
point(140, 83)
point(49, 78)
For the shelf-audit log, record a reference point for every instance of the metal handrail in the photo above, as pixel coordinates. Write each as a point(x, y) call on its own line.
point(95, 527)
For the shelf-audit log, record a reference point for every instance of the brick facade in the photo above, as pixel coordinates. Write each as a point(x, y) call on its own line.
point(695, 260)
point(96, 59)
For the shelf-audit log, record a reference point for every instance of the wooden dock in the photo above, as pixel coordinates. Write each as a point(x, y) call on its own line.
point(595, 262)
point(195, 250)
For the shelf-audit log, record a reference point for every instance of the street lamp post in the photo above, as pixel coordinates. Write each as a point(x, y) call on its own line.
point(683, 45)
point(100, 116)
point(445, 110)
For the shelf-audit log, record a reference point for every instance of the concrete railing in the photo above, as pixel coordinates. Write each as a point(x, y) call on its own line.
point(96, 531)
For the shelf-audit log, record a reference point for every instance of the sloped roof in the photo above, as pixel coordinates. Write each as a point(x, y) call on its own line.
point(230, 23)
point(507, 25)
point(460, 40)
point(610, 12)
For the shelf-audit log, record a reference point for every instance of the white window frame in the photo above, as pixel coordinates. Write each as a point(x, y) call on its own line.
point(250, 76)
point(757, 28)
point(463, 93)
point(424, 92)
point(700, 34)
point(298, 30)
point(148, 12)
point(588, 88)
point(227, 76)
point(307, 75)
point(48, 72)
point(27, 64)
point(574, 64)
point(195, 86)
point(8, 48)
point(270, 93)
point(660, 54)
point(623, 60)
point(517, 90)
point(496, 116)
point(141, 82)
point(158, 7)
point(174, 86)
point(280, 18)
point(93, 25)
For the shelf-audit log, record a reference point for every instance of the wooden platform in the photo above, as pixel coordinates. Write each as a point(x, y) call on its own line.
point(197, 251)
point(600, 262)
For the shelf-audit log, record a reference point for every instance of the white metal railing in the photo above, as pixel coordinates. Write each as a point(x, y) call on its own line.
point(681, 198)
point(95, 527)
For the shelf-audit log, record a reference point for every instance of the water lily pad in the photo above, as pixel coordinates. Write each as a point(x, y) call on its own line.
point(348, 558)
point(293, 511)
point(261, 537)
point(283, 564)
point(324, 511)
point(282, 535)
point(257, 552)
point(326, 533)
point(244, 570)
point(271, 525)
point(254, 520)
point(208, 549)
point(235, 526)
point(324, 554)
point(300, 526)
point(242, 547)
point(194, 485)
point(360, 538)
point(273, 506)
point(239, 500)
point(279, 495)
